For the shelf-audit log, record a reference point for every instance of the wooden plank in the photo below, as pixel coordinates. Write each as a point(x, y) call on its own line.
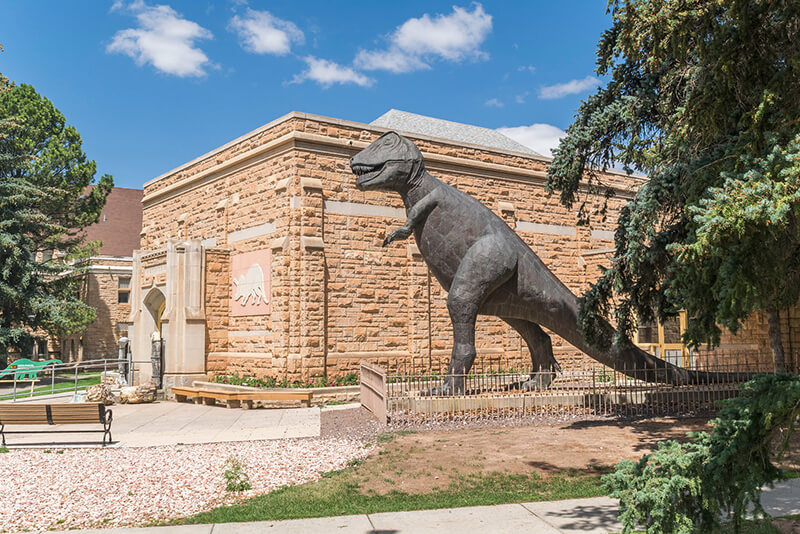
point(66, 414)
point(276, 395)
point(234, 398)
point(61, 414)
point(26, 414)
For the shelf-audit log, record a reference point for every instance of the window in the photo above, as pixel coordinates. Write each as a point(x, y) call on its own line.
point(664, 340)
point(124, 290)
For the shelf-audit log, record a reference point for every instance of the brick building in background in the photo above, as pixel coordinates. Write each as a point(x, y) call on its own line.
point(107, 284)
point(261, 257)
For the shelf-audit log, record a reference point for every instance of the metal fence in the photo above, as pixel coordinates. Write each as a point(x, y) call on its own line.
point(62, 379)
point(492, 390)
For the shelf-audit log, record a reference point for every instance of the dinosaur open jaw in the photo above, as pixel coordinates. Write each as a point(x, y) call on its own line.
point(366, 173)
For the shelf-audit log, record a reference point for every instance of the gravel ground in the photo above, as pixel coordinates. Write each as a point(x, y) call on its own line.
point(353, 423)
point(80, 488)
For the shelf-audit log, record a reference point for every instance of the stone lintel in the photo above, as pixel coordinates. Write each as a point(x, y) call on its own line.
point(506, 206)
point(279, 243)
point(312, 242)
point(363, 210)
point(310, 183)
point(606, 235)
point(249, 333)
point(249, 233)
point(597, 251)
point(540, 228)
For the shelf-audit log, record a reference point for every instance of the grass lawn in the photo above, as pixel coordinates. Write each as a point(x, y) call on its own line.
point(24, 390)
point(342, 493)
point(407, 473)
point(439, 469)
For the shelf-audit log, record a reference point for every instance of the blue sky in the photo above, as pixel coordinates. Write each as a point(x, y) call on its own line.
point(152, 85)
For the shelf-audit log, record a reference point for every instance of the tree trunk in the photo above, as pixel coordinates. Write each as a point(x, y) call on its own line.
point(778, 356)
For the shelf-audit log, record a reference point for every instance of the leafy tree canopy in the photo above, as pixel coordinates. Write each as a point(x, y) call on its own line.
point(45, 202)
point(704, 98)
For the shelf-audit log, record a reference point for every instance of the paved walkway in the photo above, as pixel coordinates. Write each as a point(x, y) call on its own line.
point(171, 423)
point(579, 516)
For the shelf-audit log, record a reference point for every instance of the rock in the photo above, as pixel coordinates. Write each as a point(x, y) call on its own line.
point(138, 394)
point(100, 393)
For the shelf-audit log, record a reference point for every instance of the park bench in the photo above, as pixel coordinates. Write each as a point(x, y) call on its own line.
point(55, 414)
point(234, 399)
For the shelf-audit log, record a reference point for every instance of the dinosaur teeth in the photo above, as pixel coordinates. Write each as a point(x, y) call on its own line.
point(358, 170)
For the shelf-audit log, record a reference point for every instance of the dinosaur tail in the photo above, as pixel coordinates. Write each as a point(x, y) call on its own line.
point(634, 362)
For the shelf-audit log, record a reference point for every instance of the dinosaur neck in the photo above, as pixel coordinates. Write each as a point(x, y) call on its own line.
point(416, 188)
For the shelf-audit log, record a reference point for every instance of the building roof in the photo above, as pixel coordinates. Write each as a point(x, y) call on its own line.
point(120, 223)
point(466, 133)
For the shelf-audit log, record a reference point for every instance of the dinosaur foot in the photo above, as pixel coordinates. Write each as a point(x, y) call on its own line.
point(538, 382)
point(446, 389)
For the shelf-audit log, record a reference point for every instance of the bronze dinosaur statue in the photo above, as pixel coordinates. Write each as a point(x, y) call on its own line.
point(488, 269)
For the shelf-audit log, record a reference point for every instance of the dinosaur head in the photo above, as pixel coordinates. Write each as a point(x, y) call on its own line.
point(391, 163)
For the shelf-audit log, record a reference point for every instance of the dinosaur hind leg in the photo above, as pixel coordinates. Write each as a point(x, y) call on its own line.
point(541, 349)
point(485, 267)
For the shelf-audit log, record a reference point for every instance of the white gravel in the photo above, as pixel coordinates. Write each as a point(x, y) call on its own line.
point(80, 488)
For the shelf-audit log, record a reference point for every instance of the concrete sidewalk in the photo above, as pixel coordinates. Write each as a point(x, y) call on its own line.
point(171, 423)
point(579, 516)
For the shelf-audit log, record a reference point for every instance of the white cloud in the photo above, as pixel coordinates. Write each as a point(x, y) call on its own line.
point(453, 37)
point(164, 39)
point(393, 60)
point(494, 103)
point(261, 33)
point(571, 87)
point(542, 138)
point(327, 73)
point(528, 68)
point(520, 98)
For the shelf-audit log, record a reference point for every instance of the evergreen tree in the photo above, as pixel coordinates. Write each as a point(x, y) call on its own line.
point(45, 203)
point(704, 98)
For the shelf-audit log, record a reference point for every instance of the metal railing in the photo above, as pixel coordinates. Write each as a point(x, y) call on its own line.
point(412, 393)
point(62, 378)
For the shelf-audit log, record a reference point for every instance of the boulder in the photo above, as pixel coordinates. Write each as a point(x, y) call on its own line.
point(138, 394)
point(100, 393)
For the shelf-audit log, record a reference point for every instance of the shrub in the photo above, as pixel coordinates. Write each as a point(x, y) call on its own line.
point(236, 478)
point(685, 488)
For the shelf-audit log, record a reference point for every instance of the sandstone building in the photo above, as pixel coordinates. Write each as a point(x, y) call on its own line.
point(261, 257)
point(107, 282)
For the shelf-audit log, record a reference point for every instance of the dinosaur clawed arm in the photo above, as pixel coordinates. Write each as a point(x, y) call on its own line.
point(398, 233)
point(416, 215)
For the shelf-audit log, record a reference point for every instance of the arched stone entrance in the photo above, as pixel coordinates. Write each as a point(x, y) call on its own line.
point(155, 302)
point(167, 297)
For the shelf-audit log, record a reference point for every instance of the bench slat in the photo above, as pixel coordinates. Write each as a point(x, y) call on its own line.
point(228, 395)
point(65, 414)
point(28, 414)
point(60, 414)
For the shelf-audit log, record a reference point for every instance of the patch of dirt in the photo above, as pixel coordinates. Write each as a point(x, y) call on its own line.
point(418, 462)
point(787, 526)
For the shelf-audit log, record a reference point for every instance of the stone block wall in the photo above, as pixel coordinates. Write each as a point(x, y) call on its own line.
point(99, 289)
point(337, 297)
